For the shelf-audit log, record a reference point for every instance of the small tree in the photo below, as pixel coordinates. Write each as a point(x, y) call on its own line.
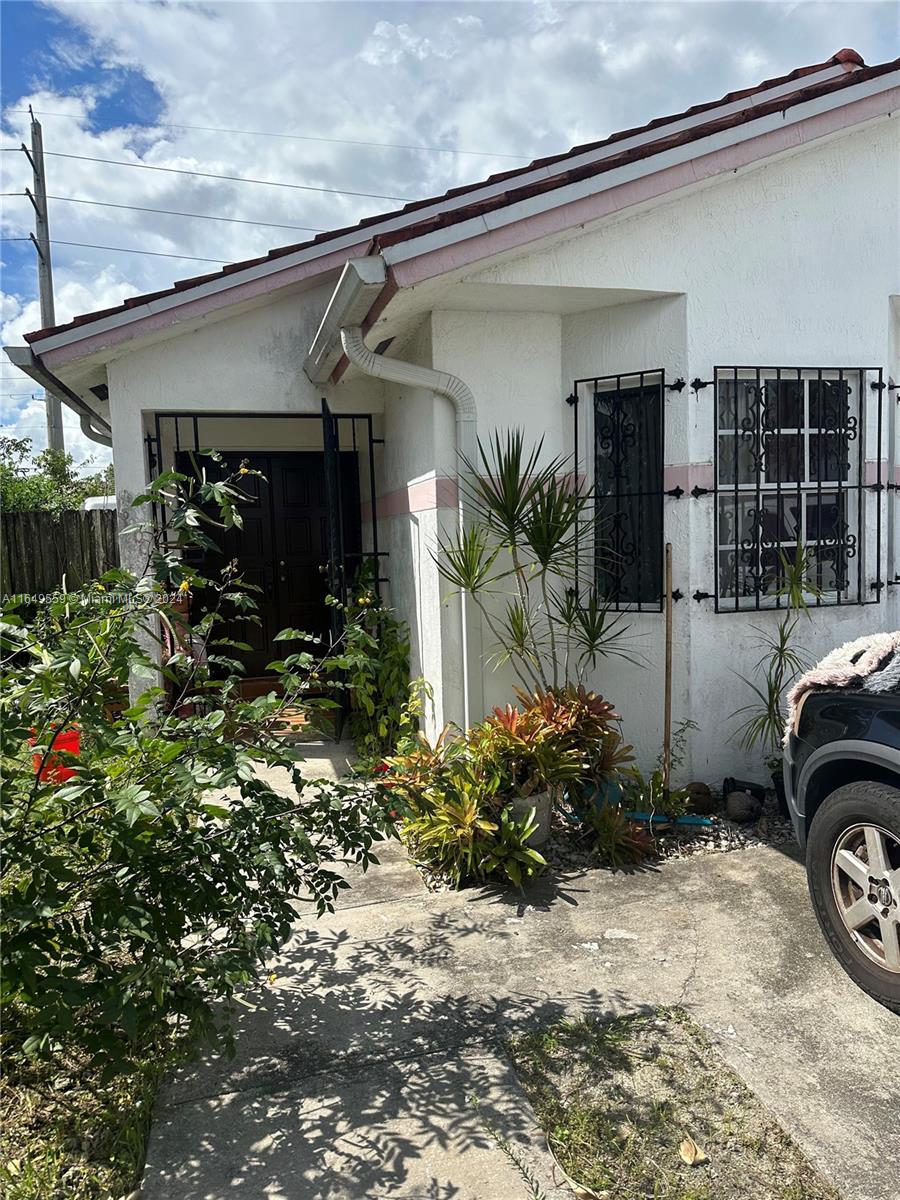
point(49, 480)
point(525, 556)
point(153, 882)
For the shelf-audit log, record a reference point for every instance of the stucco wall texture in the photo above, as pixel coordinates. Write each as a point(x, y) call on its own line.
point(792, 263)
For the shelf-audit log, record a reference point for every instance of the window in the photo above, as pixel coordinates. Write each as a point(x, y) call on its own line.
point(627, 412)
point(790, 469)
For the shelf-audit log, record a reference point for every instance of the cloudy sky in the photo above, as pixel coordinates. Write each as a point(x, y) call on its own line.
point(392, 101)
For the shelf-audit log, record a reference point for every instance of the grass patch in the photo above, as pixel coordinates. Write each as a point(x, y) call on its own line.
point(617, 1099)
point(67, 1133)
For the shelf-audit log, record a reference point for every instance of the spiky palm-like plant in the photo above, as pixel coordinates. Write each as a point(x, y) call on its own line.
point(762, 726)
point(525, 555)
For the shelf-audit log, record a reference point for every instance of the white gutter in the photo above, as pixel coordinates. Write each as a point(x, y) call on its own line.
point(104, 439)
point(361, 281)
point(442, 383)
point(26, 360)
point(412, 375)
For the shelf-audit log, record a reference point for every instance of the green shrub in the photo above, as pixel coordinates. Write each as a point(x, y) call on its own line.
point(373, 664)
point(457, 828)
point(455, 795)
point(618, 842)
point(154, 882)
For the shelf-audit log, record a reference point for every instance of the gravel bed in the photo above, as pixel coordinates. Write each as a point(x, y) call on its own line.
point(570, 849)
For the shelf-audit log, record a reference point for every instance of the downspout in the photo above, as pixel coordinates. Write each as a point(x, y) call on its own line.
point(94, 434)
point(26, 360)
point(458, 393)
point(412, 375)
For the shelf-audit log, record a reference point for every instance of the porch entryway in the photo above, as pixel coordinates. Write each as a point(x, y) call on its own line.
point(309, 525)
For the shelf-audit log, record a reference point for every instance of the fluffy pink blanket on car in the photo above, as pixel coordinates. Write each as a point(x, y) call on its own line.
point(869, 664)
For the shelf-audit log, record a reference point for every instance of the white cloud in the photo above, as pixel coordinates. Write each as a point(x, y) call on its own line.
point(22, 415)
point(516, 79)
point(390, 44)
point(30, 421)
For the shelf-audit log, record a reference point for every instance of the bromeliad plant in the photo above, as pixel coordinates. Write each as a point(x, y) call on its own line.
point(458, 828)
point(155, 881)
point(456, 798)
point(529, 523)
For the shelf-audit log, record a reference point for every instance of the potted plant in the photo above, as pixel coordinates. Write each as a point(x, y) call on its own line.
point(525, 760)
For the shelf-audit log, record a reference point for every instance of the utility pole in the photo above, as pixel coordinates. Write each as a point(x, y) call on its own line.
point(41, 239)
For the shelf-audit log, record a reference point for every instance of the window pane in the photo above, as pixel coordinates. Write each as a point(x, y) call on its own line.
point(826, 517)
point(829, 456)
point(829, 403)
point(736, 453)
point(783, 457)
point(830, 566)
point(782, 404)
point(735, 403)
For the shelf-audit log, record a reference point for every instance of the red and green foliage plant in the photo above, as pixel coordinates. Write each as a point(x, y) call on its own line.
point(455, 795)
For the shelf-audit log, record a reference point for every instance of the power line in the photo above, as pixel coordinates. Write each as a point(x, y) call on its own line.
point(169, 212)
point(300, 137)
point(222, 262)
point(299, 187)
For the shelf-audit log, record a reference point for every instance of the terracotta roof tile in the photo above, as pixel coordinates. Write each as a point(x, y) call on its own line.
point(849, 58)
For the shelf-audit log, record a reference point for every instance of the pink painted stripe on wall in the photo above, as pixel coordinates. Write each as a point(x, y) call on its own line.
point(423, 495)
point(873, 474)
point(687, 476)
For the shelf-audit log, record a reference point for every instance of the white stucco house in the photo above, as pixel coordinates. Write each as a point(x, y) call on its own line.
point(704, 312)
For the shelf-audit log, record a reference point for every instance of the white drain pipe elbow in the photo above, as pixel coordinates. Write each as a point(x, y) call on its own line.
point(459, 394)
point(411, 375)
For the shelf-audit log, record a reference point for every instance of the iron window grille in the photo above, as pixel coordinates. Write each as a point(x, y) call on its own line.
point(627, 419)
point(790, 469)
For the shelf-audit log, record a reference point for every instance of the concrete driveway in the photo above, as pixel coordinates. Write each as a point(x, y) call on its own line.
point(355, 1068)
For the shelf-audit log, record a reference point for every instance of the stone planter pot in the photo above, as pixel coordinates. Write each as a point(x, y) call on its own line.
point(521, 806)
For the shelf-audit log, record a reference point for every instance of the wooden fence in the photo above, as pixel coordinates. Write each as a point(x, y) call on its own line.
point(38, 548)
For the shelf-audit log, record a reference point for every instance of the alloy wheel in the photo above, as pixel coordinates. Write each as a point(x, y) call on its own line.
point(865, 881)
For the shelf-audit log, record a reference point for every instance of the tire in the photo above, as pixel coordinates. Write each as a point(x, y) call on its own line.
point(855, 823)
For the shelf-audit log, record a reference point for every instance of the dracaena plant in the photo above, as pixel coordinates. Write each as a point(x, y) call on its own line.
point(762, 720)
point(525, 556)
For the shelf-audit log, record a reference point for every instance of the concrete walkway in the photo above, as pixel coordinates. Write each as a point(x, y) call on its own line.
point(354, 1069)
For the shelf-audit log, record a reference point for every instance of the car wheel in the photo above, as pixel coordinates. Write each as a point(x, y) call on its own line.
point(853, 867)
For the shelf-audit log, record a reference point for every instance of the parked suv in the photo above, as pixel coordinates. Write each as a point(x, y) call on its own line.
point(842, 779)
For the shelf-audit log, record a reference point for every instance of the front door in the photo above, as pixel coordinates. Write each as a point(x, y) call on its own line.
point(283, 548)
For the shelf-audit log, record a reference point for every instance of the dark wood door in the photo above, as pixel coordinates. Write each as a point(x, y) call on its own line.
point(301, 535)
point(283, 546)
